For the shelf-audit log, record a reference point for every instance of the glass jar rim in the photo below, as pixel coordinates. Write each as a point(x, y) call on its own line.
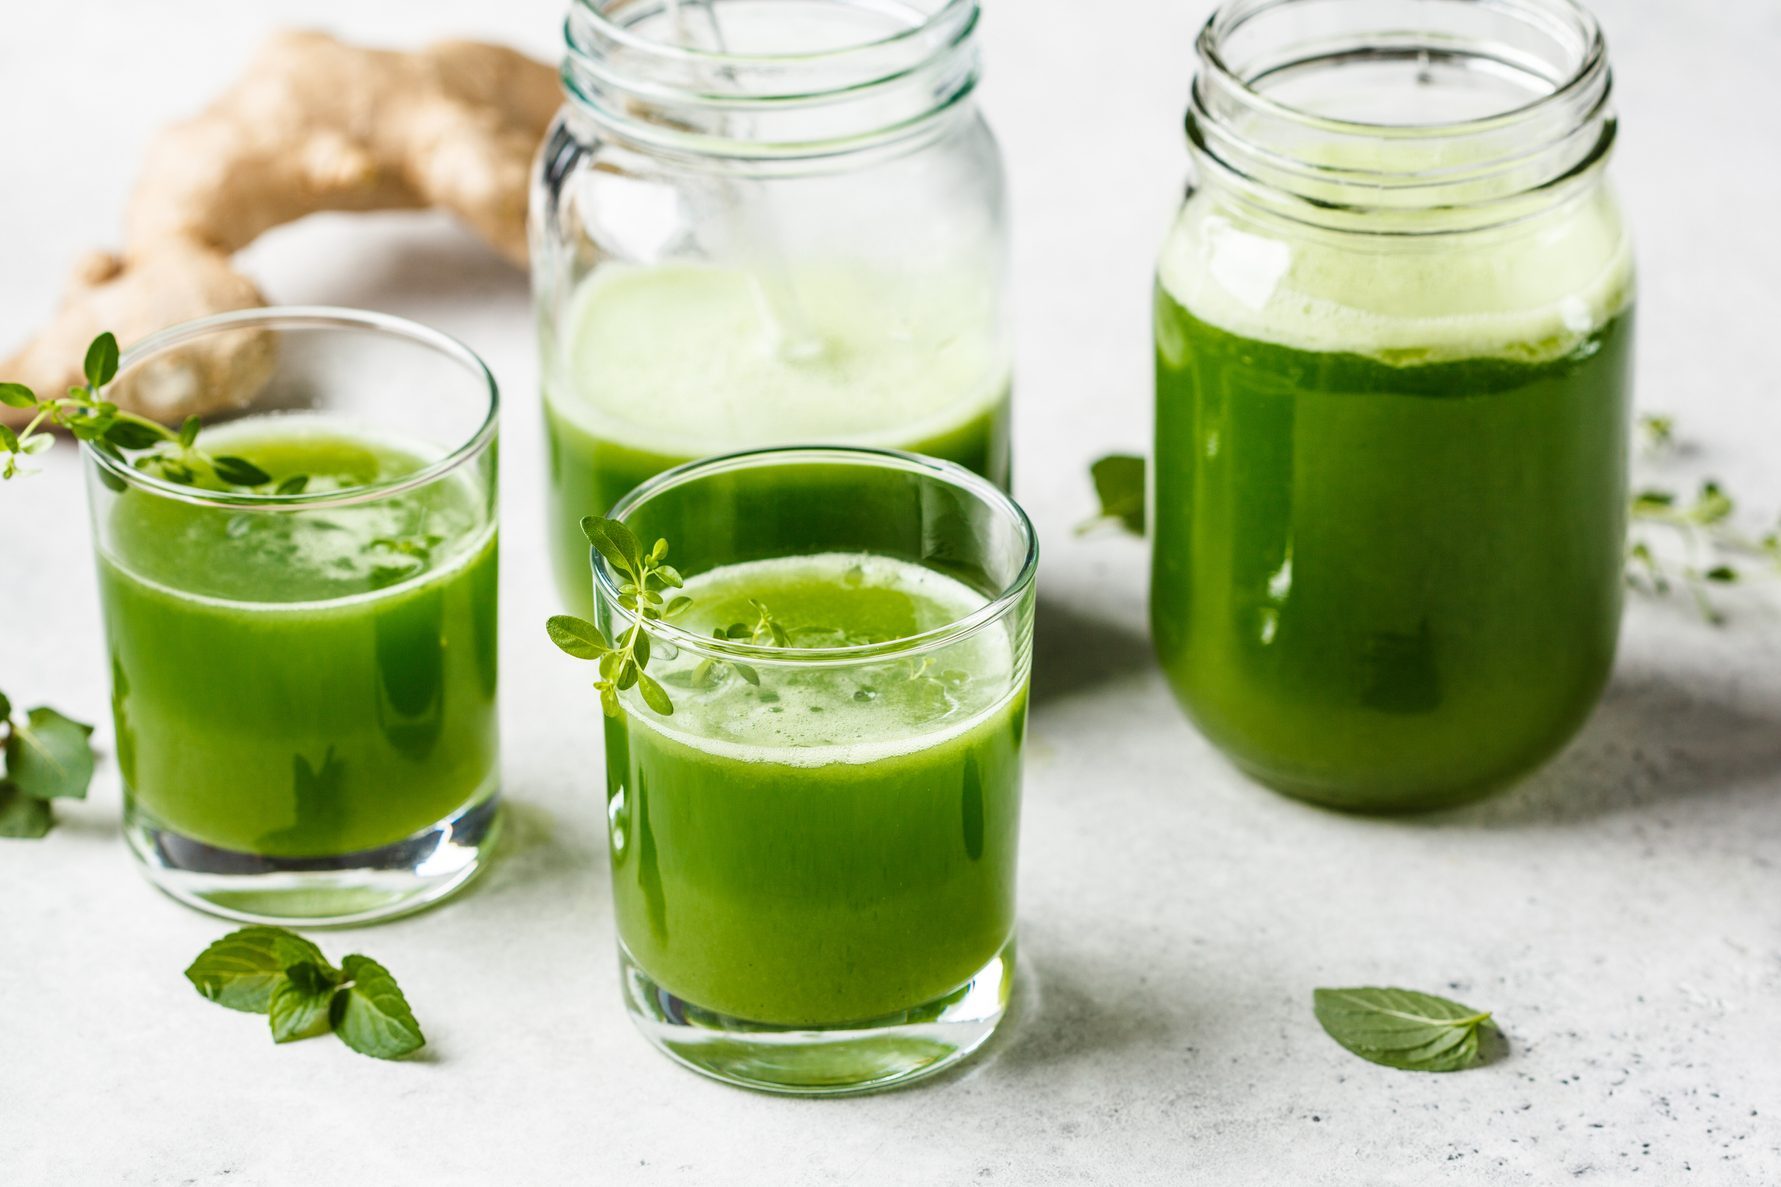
point(1230, 16)
point(306, 317)
point(948, 11)
point(998, 607)
point(882, 92)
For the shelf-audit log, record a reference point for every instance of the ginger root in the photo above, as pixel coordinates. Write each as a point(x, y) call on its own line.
point(313, 124)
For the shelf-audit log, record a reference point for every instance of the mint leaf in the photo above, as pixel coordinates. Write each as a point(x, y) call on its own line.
point(371, 1016)
point(5, 708)
point(48, 757)
point(1119, 484)
point(17, 395)
point(22, 817)
point(298, 1005)
point(242, 969)
point(1401, 1028)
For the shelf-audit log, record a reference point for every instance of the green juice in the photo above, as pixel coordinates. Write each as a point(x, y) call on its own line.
point(663, 365)
point(1389, 500)
point(304, 683)
point(833, 845)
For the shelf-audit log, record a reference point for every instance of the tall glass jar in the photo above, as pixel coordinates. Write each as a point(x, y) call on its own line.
point(765, 222)
point(1394, 334)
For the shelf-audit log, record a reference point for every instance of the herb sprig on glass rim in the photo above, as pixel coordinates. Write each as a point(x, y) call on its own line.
point(644, 581)
point(170, 454)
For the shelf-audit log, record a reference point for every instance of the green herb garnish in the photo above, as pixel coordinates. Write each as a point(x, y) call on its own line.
point(644, 578)
point(1401, 1028)
point(1119, 484)
point(163, 452)
point(48, 757)
point(272, 971)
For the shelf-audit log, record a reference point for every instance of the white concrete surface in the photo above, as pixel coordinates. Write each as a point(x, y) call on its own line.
point(1621, 913)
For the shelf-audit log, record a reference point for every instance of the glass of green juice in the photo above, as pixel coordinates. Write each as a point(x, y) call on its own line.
point(304, 669)
point(813, 854)
point(1394, 333)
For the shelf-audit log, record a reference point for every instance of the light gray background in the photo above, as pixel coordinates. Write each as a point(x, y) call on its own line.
point(1621, 913)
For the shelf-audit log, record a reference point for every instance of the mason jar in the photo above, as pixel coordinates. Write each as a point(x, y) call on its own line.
point(1393, 347)
point(760, 223)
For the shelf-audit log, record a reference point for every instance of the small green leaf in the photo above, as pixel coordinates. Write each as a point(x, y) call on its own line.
point(238, 471)
point(1653, 499)
point(748, 674)
point(242, 969)
point(10, 440)
point(670, 576)
point(101, 361)
point(1401, 1028)
point(22, 817)
point(676, 607)
point(1724, 574)
point(17, 395)
point(1119, 484)
point(659, 553)
point(616, 543)
point(188, 432)
point(294, 485)
point(654, 695)
point(131, 434)
point(609, 703)
point(299, 1003)
point(639, 647)
point(49, 757)
point(5, 708)
point(370, 1015)
point(577, 636)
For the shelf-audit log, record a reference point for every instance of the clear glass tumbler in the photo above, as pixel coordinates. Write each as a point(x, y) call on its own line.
point(303, 652)
point(813, 853)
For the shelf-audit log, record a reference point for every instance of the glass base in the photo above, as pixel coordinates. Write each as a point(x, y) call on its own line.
point(352, 888)
point(822, 1061)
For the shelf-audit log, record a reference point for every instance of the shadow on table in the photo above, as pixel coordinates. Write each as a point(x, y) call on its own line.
point(1056, 1019)
point(1074, 652)
point(1654, 740)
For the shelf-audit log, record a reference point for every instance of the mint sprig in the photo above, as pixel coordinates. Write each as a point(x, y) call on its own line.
point(163, 452)
point(1119, 485)
point(645, 578)
point(48, 757)
point(1402, 1028)
point(276, 972)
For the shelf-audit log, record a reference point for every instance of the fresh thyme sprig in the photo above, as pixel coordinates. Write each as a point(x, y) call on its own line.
point(646, 576)
point(1714, 551)
point(163, 452)
point(764, 631)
